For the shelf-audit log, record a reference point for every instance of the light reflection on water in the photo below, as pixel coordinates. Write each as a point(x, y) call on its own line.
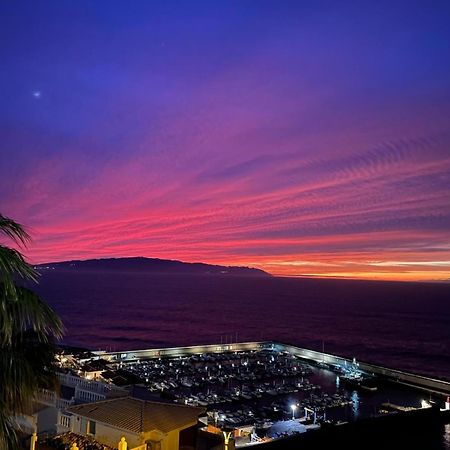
point(355, 404)
point(446, 437)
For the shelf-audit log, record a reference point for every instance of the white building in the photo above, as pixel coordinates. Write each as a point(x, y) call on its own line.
point(48, 413)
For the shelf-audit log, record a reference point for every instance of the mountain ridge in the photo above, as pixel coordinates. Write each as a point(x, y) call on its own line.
point(154, 265)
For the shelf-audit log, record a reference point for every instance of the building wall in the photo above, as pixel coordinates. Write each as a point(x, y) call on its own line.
point(47, 420)
point(172, 440)
point(155, 440)
point(158, 440)
point(106, 434)
point(111, 436)
point(43, 421)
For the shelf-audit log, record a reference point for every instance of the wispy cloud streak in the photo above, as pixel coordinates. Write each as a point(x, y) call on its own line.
point(233, 136)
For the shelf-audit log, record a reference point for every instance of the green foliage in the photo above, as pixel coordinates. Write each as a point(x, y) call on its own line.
point(28, 329)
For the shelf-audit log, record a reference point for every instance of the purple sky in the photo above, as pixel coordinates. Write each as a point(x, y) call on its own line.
point(298, 137)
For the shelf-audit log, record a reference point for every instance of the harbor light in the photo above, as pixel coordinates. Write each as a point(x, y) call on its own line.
point(293, 407)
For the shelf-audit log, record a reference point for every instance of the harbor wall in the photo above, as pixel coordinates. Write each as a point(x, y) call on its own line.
point(173, 352)
point(412, 380)
point(409, 379)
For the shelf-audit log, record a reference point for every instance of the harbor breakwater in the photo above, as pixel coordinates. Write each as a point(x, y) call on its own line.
point(431, 385)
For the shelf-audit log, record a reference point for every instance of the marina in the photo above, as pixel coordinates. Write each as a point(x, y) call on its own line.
point(265, 390)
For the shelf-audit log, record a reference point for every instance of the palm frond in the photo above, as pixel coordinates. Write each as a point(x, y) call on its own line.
point(14, 230)
point(13, 265)
point(28, 330)
point(27, 311)
point(27, 365)
point(8, 435)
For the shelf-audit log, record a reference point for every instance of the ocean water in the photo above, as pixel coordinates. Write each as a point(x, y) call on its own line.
point(399, 325)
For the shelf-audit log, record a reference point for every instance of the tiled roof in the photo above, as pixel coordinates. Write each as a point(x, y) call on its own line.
point(137, 415)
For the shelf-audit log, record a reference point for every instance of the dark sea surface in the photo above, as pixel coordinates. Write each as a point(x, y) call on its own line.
point(398, 325)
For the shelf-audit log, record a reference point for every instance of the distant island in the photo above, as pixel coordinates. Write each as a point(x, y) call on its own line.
point(153, 265)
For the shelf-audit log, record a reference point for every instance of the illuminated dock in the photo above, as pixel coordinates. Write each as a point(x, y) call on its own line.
point(271, 391)
point(428, 384)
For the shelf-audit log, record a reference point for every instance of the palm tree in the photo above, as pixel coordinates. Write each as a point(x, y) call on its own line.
point(28, 330)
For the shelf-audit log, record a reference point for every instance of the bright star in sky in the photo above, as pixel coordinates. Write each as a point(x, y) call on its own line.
point(231, 149)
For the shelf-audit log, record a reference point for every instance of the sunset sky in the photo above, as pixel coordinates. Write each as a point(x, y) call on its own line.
point(303, 138)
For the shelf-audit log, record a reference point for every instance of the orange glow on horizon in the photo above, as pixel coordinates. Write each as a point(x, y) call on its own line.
point(389, 255)
point(195, 139)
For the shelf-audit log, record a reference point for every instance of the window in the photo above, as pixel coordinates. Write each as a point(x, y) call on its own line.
point(90, 427)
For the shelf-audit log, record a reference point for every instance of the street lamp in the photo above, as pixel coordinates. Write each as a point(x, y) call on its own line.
point(293, 407)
